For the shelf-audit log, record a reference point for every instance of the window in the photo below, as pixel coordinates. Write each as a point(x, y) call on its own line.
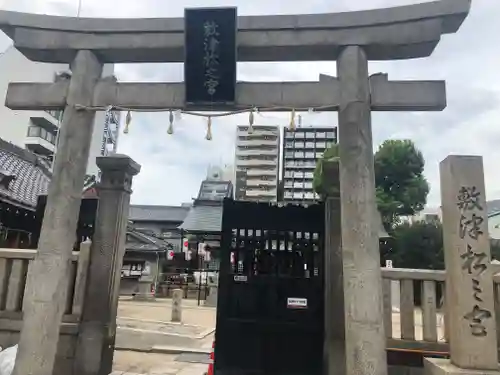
point(331, 134)
point(56, 114)
point(36, 131)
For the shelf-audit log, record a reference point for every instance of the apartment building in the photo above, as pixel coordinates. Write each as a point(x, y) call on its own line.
point(302, 148)
point(257, 163)
point(37, 130)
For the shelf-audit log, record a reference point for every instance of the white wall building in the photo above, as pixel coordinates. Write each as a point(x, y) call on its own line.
point(37, 130)
point(257, 163)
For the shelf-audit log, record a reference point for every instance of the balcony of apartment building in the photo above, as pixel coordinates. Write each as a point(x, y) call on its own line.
point(261, 193)
point(253, 172)
point(303, 155)
point(300, 164)
point(262, 182)
point(258, 133)
point(299, 175)
point(310, 134)
point(254, 162)
point(298, 185)
point(321, 145)
point(40, 141)
point(300, 196)
point(249, 151)
point(48, 120)
point(257, 142)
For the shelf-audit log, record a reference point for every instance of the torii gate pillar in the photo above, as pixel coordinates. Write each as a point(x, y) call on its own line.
point(46, 285)
point(364, 324)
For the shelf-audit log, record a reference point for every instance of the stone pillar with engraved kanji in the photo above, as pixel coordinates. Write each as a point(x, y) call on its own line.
point(469, 286)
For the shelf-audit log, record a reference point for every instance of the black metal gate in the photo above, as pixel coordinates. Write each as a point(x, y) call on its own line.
point(270, 306)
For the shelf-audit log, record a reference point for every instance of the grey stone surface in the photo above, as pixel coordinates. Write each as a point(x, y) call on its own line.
point(410, 31)
point(469, 290)
point(364, 322)
point(278, 96)
point(177, 305)
point(46, 288)
point(212, 297)
point(194, 358)
point(94, 353)
point(406, 95)
point(435, 366)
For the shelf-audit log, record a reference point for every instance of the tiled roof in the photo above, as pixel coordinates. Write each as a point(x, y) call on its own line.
point(145, 242)
point(203, 219)
point(32, 178)
point(158, 213)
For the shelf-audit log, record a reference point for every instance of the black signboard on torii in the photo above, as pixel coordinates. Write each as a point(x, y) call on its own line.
point(210, 56)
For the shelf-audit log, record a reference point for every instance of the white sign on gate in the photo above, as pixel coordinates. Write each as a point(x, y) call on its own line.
point(296, 303)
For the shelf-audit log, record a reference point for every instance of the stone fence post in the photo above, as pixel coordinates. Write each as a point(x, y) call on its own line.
point(95, 347)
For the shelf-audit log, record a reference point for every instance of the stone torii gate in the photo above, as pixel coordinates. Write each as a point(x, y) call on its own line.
point(352, 39)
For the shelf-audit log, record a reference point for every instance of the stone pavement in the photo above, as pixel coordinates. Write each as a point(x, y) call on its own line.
point(161, 310)
point(144, 326)
point(133, 363)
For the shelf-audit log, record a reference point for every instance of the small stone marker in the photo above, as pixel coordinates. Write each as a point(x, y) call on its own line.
point(395, 290)
point(177, 305)
point(469, 285)
point(211, 300)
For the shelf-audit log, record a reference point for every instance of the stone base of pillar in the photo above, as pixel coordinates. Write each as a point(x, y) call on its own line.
point(144, 293)
point(438, 366)
point(211, 300)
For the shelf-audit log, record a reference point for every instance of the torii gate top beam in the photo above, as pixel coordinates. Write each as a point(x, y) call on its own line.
point(394, 33)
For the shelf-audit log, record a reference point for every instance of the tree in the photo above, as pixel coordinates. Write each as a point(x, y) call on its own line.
point(401, 186)
point(416, 245)
point(330, 154)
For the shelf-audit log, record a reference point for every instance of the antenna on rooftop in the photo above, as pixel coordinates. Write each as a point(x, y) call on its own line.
point(79, 8)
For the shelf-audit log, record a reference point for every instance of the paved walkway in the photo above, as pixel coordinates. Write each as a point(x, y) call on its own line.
point(140, 363)
point(133, 363)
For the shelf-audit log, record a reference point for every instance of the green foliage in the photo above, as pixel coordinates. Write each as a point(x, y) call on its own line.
point(417, 245)
point(401, 186)
point(331, 154)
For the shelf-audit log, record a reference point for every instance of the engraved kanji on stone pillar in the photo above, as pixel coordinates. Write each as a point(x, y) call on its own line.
point(98, 323)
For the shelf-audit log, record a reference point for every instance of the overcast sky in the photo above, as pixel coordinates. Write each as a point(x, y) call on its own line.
point(174, 166)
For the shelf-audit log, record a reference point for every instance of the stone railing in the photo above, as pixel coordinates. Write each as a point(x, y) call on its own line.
point(421, 327)
point(14, 265)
